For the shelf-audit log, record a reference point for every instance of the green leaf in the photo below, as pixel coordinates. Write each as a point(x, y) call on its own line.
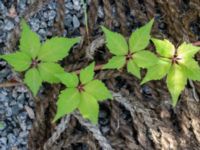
point(133, 69)
point(89, 107)
point(145, 59)
point(116, 62)
point(97, 89)
point(187, 50)
point(157, 71)
point(192, 69)
point(33, 80)
point(176, 81)
point(139, 39)
point(115, 42)
point(68, 101)
point(87, 74)
point(19, 61)
point(56, 48)
point(49, 70)
point(69, 79)
point(164, 47)
point(29, 41)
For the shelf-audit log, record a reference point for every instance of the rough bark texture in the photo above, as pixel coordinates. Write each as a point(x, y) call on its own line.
point(138, 117)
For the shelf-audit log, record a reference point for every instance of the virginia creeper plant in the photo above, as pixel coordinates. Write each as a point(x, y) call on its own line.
point(132, 54)
point(82, 92)
point(39, 61)
point(177, 63)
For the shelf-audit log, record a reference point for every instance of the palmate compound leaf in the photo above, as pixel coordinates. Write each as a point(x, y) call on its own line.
point(164, 47)
point(87, 74)
point(49, 70)
point(90, 92)
point(98, 90)
point(29, 41)
point(115, 42)
point(68, 101)
point(176, 81)
point(116, 62)
point(158, 71)
point(89, 107)
point(139, 39)
point(187, 50)
point(18, 60)
point(56, 48)
point(33, 80)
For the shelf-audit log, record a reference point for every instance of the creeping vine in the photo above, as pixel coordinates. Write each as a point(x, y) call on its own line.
point(39, 61)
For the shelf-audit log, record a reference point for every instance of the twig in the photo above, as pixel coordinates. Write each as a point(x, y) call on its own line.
point(103, 142)
point(10, 84)
point(196, 43)
point(59, 130)
point(194, 93)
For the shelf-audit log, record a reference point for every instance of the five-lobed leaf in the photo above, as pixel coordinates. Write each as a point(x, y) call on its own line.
point(115, 42)
point(33, 80)
point(68, 101)
point(18, 60)
point(116, 62)
point(91, 91)
point(176, 81)
point(56, 49)
point(29, 41)
point(139, 39)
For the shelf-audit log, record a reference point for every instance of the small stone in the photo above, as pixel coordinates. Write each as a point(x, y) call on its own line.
point(100, 12)
point(69, 6)
point(8, 25)
point(146, 91)
point(30, 112)
point(52, 14)
point(15, 109)
point(3, 97)
point(105, 130)
point(3, 142)
point(11, 139)
point(9, 112)
point(35, 24)
point(76, 22)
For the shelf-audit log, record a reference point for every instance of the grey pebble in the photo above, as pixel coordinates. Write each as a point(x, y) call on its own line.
point(76, 22)
point(8, 25)
point(11, 138)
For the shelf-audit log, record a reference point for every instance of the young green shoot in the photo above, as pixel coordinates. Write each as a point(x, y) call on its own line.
point(82, 93)
point(131, 54)
point(39, 61)
point(177, 64)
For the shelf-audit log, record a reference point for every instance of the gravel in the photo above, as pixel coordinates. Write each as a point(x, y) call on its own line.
point(16, 104)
